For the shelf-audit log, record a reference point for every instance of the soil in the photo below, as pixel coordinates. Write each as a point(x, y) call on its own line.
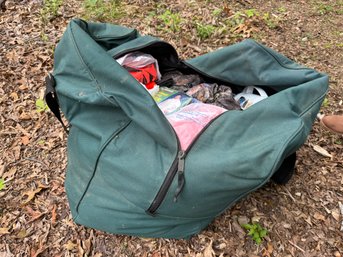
point(303, 217)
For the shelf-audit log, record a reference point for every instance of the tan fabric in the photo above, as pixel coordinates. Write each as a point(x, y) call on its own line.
point(333, 123)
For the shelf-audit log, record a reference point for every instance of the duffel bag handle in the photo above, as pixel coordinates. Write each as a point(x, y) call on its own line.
point(52, 100)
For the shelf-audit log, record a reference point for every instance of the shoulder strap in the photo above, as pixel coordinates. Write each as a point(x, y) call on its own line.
point(52, 100)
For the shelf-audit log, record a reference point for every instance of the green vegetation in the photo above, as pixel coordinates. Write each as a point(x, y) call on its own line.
point(41, 106)
point(2, 183)
point(217, 12)
point(205, 31)
point(256, 231)
point(50, 9)
point(324, 8)
point(282, 9)
point(101, 10)
point(325, 102)
point(269, 20)
point(171, 21)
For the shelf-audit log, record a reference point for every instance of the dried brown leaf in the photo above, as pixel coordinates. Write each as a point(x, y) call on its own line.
point(319, 216)
point(25, 140)
point(4, 231)
point(69, 246)
point(14, 96)
point(209, 251)
point(322, 151)
point(36, 253)
point(33, 214)
point(31, 194)
point(24, 116)
point(10, 173)
point(22, 234)
point(53, 215)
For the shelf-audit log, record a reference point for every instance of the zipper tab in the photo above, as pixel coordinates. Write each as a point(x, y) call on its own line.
point(180, 174)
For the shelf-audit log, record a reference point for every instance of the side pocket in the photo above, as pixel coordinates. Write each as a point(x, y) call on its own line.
point(116, 133)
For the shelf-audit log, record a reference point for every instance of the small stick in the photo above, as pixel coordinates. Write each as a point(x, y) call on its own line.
point(296, 246)
point(290, 195)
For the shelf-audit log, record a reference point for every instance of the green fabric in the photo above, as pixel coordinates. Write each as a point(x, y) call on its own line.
point(121, 146)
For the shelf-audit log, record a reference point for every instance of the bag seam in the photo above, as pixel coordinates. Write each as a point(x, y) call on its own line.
point(90, 73)
point(103, 147)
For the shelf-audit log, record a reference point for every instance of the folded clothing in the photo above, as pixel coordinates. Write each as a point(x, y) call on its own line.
point(189, 121)
point(144, 67)
point(215, 94)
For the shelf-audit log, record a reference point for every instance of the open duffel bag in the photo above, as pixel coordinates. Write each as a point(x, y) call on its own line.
point(126, 171)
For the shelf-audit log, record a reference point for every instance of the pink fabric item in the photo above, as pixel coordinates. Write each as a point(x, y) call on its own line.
point(191, 119)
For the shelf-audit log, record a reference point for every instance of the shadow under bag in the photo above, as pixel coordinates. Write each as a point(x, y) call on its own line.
point(126, 171)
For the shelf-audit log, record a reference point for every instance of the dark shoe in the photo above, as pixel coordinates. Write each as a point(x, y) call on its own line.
point(333, 123)
point(286, 170)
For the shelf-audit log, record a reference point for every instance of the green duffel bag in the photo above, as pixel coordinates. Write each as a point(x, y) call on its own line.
point(126, 172)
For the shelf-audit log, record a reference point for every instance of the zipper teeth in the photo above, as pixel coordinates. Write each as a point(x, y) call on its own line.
point(173, 169)
point(166, 182)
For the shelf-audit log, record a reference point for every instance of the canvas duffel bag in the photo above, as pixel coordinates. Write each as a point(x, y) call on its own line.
point(125, 167)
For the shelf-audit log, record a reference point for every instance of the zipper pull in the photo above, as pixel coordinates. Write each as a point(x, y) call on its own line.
point(180, 174)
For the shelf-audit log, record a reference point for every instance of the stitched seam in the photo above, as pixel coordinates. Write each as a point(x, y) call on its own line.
point(97, 160)
point(81, 58)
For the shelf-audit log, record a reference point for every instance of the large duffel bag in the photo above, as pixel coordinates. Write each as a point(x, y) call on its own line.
point(125, 167)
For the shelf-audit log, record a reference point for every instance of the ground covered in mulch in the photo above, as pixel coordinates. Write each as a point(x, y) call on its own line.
point(303, 218)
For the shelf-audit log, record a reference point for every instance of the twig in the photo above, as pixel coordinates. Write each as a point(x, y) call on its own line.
point(340, 205)
point(289, 194)
point(35, 160)
point(2, 170)
point(6, 133)
point(296, 246)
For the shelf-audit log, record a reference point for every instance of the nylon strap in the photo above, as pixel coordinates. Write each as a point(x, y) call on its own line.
point(52, 100)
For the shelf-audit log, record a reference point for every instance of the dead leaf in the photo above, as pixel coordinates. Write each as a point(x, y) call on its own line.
point(268, 251)
point(209, 251)
point(4, 231)
point(335, 215)
point(156, 254)
point(70, 245)
point(25, 140)
point(319, 216)
point(53, 215)
point(41, 249)
point(24, 116)
point(33, 214)
point(31, 194)
point(337, 254)
point(23, 87)
point(87, 245)
point(322, 151)
point(79, 247)
point(10, 173)
point(12, 56)
point(14, 96)
point(22, 234)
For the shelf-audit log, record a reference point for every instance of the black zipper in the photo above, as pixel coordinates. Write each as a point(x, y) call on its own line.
point(178, 167)
point(129, 50)
point(162, 192)
point(178, 164)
